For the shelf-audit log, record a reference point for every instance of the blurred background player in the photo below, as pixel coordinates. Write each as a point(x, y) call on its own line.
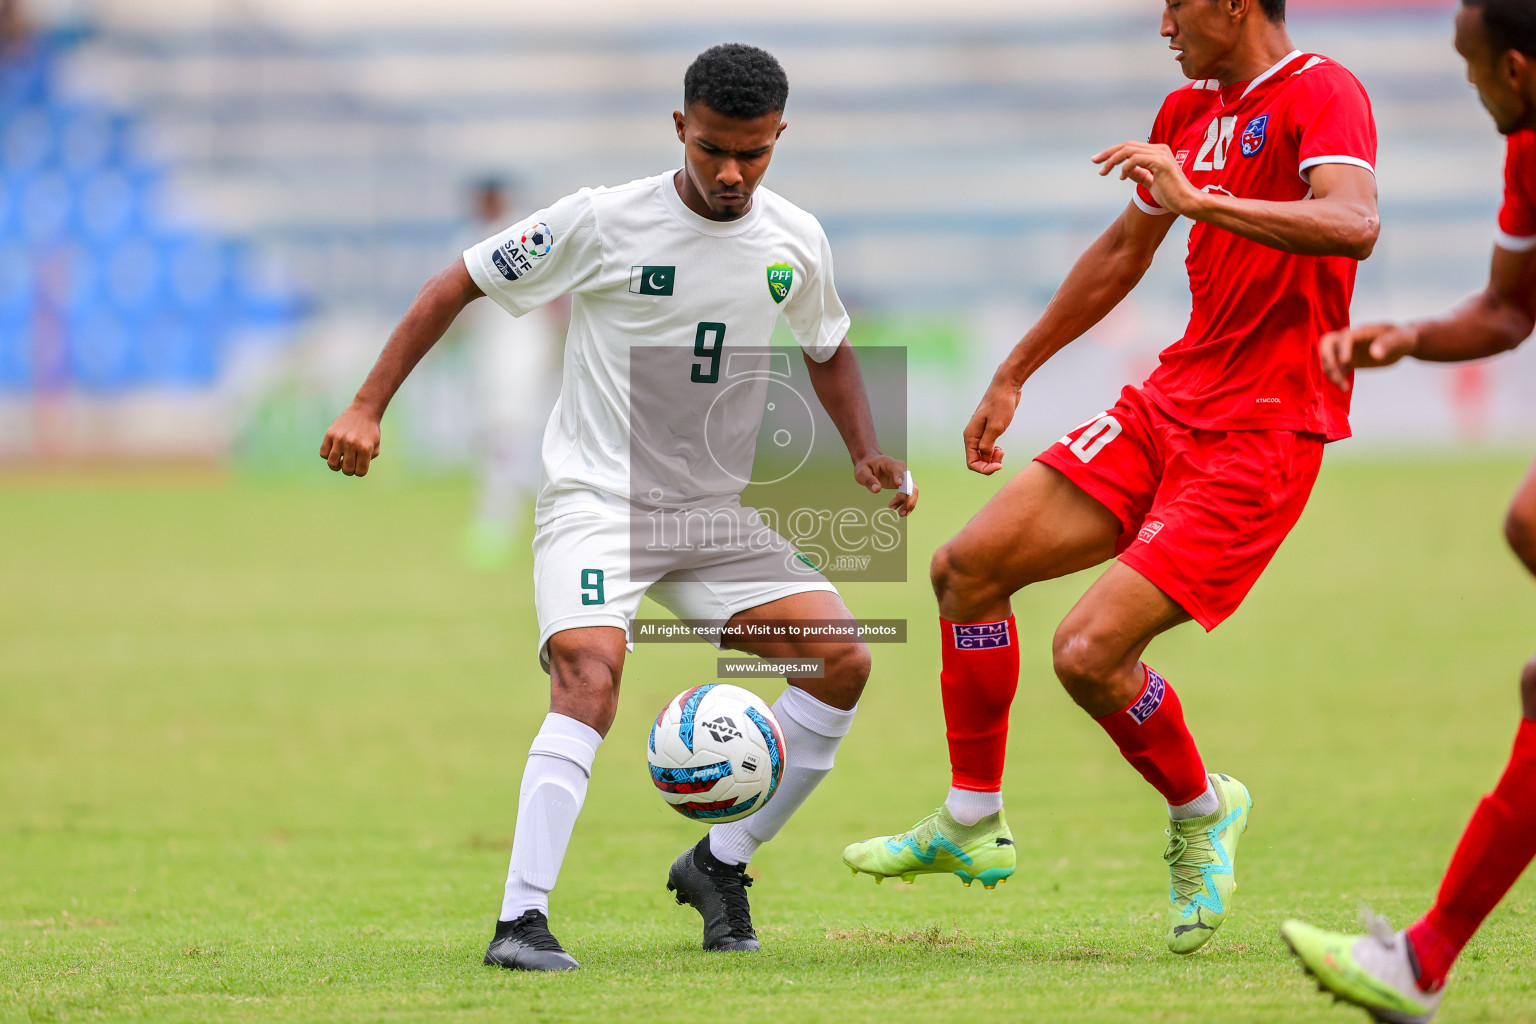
point(680, 268)
point(1399, 976)
point(13, 26)
point(1193, 479)
point(514, 369)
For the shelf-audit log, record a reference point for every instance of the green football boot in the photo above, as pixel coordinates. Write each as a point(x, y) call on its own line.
point(939, 844)
point(1374, 971)
point(1200, 857)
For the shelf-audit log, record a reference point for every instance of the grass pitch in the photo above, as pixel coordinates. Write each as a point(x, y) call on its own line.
point(259, 752)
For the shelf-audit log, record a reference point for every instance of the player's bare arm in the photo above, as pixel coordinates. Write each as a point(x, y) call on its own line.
point(840, 387)
point(1102, 276)
point(1495, 320)
point(352, 441)
point(1340, 219)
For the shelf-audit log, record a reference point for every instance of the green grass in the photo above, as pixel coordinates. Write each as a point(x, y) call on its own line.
point(260, 744)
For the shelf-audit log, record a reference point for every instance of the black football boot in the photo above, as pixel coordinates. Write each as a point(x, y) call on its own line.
point(718, 891)
point(526, 945)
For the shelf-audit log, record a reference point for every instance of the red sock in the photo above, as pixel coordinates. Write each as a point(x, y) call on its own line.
point(979, 678)
point(1499, 842)
point(1150, 733)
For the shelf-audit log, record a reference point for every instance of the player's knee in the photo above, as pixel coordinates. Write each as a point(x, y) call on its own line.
point(584, 684)
point(1080, 659)
point(941, 571)
point(848, 668)
point(1520, 532)
point(1528, 689)
point(959, 585)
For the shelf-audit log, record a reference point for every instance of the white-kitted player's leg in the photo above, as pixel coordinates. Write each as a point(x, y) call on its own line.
point(814, 714)
point(585, 602)
point(812, 732)
point(553, 788)
point(581, 577)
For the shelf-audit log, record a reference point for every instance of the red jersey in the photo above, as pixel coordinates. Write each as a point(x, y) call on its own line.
point(1517, 217)
point(1248, 359)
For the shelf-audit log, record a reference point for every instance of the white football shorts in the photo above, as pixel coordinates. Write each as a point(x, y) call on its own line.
point(582, 576)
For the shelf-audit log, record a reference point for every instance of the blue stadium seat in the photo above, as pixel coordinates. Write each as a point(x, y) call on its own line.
point(16, 279)
point(143, 304)
point(101, 351)
point(15, 350)
point(88, 140)
point(47, 204)
point(108, 205)
point(133, 276)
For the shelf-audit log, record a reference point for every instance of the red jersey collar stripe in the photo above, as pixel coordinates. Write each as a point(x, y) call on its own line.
point(1270, 73)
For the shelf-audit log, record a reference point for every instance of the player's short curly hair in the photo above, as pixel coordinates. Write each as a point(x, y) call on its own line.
point(1511, 24)
point(736, 80)
point(1274, 10)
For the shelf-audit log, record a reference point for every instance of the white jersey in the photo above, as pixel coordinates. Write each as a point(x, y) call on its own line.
point(660, 288)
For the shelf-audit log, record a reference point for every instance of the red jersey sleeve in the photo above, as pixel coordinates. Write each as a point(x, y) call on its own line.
point(1163, 130)
point(1333, 114)
point(1517, 217)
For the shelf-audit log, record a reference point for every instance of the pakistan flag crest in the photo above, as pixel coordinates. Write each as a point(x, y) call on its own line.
point(780, 277)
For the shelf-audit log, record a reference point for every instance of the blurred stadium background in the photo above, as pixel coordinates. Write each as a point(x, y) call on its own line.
point(256, 726)
point(211, 211)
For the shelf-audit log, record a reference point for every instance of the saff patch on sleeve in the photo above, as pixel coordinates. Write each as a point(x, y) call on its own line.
point(511, 260)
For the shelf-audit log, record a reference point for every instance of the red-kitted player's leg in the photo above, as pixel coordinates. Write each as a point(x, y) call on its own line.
point(1072, 508)
point(1097, 653)
point(978, 678)
point(1498, 845)
point(1040, 526)
point(1152, 736)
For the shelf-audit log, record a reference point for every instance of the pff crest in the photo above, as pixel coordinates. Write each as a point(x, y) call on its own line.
point(781, 276)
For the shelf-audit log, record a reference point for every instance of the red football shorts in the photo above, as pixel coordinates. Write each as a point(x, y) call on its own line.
point(1201, 511)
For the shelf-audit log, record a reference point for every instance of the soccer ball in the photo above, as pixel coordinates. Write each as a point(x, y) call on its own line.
point(716, 753)
point(538, 240)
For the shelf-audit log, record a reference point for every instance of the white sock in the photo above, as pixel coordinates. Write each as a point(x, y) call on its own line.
point(812, 731)
point(1199, 807)
point(553, 788)
point(968, 806)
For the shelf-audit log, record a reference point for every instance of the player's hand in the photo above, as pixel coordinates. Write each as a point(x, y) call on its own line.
point(352, 442)
point(1362, 347)
point(881, 472)
point(1152, 165)
point(987, 424)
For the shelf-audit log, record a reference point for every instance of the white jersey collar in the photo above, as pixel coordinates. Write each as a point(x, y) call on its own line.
point(1270, 73)
point(705, 224)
